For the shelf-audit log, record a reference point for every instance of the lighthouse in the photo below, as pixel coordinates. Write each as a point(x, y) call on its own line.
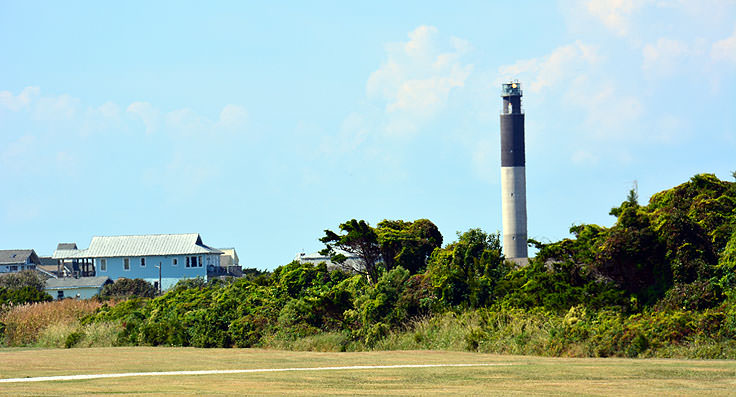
point(513, 174)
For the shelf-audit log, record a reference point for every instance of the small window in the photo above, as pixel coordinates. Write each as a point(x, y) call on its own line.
point(103, 265)
point(200, 262)
point(13, 268)
point(188, 265)
point(194, 261)
point(143, 262)
point(175, 262)
point(126, 263)
point(59, 294)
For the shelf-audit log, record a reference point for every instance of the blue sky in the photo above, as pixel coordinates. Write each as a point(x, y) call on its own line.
point(260, 125)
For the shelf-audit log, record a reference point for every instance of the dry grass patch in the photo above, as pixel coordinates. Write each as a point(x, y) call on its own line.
point(525, 375)
point(23, 324)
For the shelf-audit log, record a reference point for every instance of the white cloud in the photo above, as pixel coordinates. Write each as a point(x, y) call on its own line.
point(609, 114)
point(62, 107)
point(22, 100)
point(100, 118)
point(416, 79)
point(186, 121)
point(147, 113)
point(615, 14)
point(665, 56)
point(562, 64)
point(725, 50)
point(232, 117)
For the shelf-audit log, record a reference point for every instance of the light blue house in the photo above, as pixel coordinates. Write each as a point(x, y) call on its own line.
point(78, 288)
point(164, 258)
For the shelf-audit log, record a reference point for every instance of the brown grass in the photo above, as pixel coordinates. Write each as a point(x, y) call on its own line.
point(24, 324)
point(525, 375)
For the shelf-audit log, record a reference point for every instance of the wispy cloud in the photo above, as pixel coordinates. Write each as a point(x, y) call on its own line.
point(232, 118)
point(417, 77)
point(146, 113)
point(725, 50)
point(663, 57)
point(615, 14)
point(561, 65)
point(20, 101)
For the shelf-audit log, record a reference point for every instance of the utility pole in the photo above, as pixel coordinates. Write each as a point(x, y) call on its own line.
point(160, 288)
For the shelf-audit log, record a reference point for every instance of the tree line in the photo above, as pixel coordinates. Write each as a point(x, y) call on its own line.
point(662, 274)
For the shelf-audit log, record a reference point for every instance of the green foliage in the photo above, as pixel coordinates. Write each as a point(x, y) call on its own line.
point(659, 282)
point(407, 244)
point(73, 338)
point(125, 288)
point(466, 272)
point(23, 295)
point(358, 238)
point(376, 310)
point(26, 286)
point(24, 278)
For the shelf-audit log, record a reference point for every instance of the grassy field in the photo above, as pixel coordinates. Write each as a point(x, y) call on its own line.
point(524, 375)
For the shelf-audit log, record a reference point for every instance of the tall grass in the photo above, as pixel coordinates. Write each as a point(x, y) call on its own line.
point(24, 324)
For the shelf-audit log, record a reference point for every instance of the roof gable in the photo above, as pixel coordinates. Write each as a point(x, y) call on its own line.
point(12, 257)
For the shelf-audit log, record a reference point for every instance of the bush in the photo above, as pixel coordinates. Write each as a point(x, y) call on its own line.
point(22, 295)
point(125, 288)
point(24, 278)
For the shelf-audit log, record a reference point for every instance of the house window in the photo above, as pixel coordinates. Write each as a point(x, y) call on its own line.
point(194, 261)
point(143, 262)
point(13, 268)
point(126, 263)
point(175, 263)
point(59, 294)
point(103, 265)
point(200, 261)
point(188, 262)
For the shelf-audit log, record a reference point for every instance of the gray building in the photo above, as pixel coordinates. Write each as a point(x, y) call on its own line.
point(352, 262)
point(78, 288)
point(12, 261)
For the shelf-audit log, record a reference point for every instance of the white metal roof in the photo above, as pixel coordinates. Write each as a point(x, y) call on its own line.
point(141, 245)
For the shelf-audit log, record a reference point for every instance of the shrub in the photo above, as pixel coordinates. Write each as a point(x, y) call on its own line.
point(24, 278)
point(125, 288)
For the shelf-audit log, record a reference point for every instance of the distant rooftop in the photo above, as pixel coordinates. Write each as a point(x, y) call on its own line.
point(139, 245)
point(12, 257)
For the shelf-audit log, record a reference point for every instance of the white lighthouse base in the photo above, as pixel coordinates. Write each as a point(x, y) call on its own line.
point(513, 209)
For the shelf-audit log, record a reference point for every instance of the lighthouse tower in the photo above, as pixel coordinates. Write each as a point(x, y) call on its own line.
point(513, 174)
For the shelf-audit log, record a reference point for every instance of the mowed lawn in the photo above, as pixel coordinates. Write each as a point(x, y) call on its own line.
point(518, 375)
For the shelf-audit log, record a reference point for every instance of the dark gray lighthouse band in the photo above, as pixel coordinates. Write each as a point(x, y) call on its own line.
point(512, 140)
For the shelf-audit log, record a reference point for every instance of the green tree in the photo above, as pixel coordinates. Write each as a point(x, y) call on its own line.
point(24, 278)
point(407, 244)
point(632, 256)
point(466, 272)
point(357, 238)
point(126, 288)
